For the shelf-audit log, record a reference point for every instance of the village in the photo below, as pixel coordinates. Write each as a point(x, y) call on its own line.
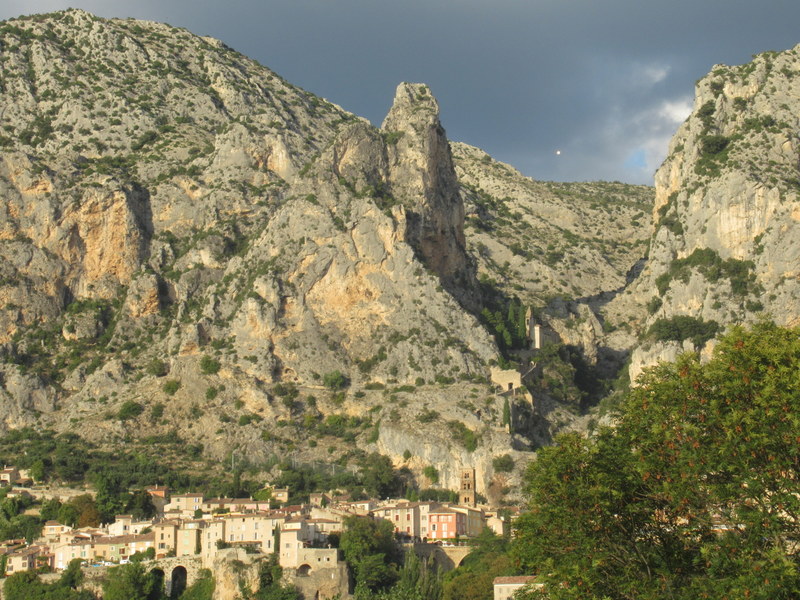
point(303, 536)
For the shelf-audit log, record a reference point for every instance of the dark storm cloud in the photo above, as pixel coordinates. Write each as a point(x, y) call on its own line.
point(606, 82)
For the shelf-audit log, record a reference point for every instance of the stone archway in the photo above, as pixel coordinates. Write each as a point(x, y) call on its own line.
point(304, 570)
point(177, 581)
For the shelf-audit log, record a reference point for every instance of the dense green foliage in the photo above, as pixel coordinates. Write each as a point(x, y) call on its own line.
point(503, 463)
point(130, 409)
point(508, 324)
point(375, 477)
point(209, 365)
point(463, 435)
point(26, 585)
point(202, 588)
point(115, 475)
point(739, 273)
point(13, 523)
point(473, 580)
point(416, 581)
point(683, 327)
point(564, 374)
point(694, 494)
point(371, 551)
point(132, 582)
point(335, 380)
point(269, 583)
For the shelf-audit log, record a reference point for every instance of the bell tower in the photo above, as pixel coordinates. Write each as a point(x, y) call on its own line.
point(466, 495)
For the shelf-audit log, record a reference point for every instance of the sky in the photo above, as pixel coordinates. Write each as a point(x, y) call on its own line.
point(563, 90)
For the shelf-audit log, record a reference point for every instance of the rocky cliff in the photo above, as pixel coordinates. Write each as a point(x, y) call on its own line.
point(726, 215)
point(194, 249)
point(166, 201)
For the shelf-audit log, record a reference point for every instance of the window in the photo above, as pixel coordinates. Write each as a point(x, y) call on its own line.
point(408, 517)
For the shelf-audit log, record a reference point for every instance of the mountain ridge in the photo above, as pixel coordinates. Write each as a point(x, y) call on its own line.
point(194, 245)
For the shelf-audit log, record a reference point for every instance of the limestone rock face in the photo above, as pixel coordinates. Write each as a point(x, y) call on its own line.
point(727, 210)
point(234, 570)
point(106, 236)
point(189, 208)
point(143, 298)
point(537, 239)
point(423, 178)
point(183, 229)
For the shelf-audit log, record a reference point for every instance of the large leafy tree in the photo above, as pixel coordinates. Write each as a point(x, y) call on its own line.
point(418, 581)
point(694, 494)
point(131, 582)
point(369, 548)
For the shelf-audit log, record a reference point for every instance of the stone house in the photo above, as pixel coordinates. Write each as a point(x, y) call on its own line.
point(166, 535)
point(505, 587)
point(253, 528)
point(158, 491)
point(361, 507)
point(188, 538)
point(499, 524)
point(159, 495)
point(121, 547)
point(185, 504)
point(66, 551)
point(404, 516)
point(27, 559)
point(475, 519)
point(309, 560)
point(298, 536)
point(326, 526)
point(53, 530)
point(125, 525)
point(446, 524)
point(413, 519)
point(281, 495)
point(213, 532)
point(319, 499)
point(332, 514)
point(9, 476)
